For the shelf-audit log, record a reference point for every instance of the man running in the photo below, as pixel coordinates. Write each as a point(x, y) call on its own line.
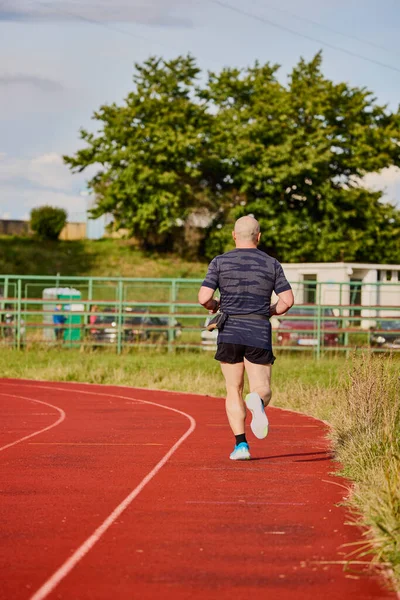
point(246, 278)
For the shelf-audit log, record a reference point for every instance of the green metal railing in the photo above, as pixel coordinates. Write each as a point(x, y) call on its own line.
point(126, 313)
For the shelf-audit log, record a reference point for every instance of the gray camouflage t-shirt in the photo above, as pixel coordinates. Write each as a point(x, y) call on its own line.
point(246, 278)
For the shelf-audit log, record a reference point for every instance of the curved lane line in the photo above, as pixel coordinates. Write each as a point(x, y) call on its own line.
point(88, 544)
point(26, 437)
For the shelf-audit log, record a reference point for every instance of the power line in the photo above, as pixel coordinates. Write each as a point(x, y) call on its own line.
point(100, 23)
point(327, 28)
point(303, 35)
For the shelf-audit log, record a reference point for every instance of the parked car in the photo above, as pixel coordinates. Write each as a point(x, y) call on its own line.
point(209, 338)
point(297, 331)
point(137, 328)
point(386, 334)
point(8, 326)
point(300, 331)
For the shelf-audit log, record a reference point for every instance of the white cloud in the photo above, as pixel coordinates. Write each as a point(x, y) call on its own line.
point(47, 171)
point(42, 83)
point(34, 98)
point(30, 182)
point(19, 202)
point(388, 180)
point(149, 12)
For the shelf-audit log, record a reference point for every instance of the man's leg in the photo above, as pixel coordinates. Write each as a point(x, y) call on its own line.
point(259, 380)
point(235, 407)
point(260, 395)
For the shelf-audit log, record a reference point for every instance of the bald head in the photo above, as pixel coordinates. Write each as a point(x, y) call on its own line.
point(246, 232)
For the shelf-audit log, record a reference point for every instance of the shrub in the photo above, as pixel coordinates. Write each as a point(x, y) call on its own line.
point(47, 222)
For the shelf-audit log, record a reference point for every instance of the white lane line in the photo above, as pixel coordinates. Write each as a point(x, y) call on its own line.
point(245, 503)
point(89, 444)
point(88, 544)
point(27, 437)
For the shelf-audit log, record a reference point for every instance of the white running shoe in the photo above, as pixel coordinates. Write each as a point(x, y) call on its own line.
point(241, 452)
point(259, 422)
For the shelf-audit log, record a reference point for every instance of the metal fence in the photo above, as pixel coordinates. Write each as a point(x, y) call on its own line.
point(124, 314)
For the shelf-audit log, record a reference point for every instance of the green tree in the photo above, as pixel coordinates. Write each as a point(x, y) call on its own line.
point(48, 222)
point(298, 155)
point(243, 143)
point(152, 152)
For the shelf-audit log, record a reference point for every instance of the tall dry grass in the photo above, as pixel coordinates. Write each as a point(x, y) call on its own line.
point(363, 408)
point(366, 437)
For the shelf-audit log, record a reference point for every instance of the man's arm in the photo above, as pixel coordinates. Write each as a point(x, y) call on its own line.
point(206, 299)
point(285, 301)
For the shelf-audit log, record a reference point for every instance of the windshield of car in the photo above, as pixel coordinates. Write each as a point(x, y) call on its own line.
point(159, 320)
point(309, 311)
point(134, 320)
point(106, 319)
point(389, 325)
point(109, 319)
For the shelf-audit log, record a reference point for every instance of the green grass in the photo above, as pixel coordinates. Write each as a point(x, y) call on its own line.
point(357, 396)
point(186, 371)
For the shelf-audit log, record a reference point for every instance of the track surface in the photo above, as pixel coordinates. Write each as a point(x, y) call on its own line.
point(112, 492)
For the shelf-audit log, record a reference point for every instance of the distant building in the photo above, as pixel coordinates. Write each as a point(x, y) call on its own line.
point(96, 229)
point(351, 285)
point(14, 227)
point(71, 231)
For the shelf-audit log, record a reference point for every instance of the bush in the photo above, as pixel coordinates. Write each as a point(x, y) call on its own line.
point(47, 222)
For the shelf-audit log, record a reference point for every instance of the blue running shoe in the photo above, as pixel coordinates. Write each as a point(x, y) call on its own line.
point(259, 423)
point(241, 452)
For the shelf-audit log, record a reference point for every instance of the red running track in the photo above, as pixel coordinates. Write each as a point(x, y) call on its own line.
point(119, 493)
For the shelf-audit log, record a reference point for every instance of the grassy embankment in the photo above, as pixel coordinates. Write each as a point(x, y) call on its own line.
point(97, 258)
point(358, 397)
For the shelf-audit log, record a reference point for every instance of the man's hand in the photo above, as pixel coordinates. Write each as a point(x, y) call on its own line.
point(206, 299)
point(215, 307)
point(212, 305)
point(285, 301)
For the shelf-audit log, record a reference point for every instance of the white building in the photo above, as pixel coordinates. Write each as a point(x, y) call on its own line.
point(350, 285)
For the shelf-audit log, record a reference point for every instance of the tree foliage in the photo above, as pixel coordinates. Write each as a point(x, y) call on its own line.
point(178, 152)
point(48, 222)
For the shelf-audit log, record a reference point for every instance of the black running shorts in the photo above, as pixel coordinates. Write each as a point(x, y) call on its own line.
point(235, 353)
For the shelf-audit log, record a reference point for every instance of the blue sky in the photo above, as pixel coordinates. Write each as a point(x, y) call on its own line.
point(61, 59)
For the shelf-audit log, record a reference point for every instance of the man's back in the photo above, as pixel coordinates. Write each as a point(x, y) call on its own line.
point(246, 278)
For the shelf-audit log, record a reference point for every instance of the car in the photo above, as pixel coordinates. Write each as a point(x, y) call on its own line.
point(386, 334)
point(8, 326)
point(209, 338)
point(136, 327)
point(299, 331)
point(301, 328)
